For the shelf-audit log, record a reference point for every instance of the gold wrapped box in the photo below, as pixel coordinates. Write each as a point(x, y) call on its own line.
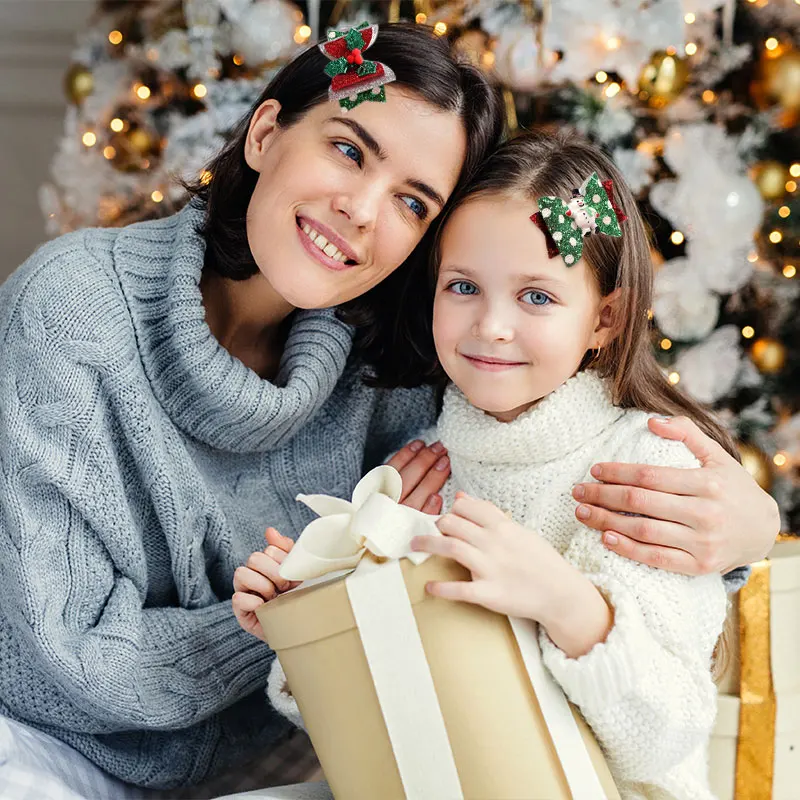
point(755, 746)
point(500, 743)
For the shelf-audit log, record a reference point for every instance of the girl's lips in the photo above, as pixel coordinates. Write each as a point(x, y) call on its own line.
point(319, 256)
point(492, 364)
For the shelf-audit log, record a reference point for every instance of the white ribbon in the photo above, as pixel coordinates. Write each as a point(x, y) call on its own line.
point(373, 521)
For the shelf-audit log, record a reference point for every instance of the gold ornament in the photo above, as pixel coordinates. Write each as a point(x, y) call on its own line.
point(663, 79)
point(757, 463)
point(770, 177)
point(769, 355)
point(134, 149)
point(781, 77)
point(78, 83)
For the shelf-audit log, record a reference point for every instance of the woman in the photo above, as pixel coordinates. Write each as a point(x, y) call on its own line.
point(167, 389)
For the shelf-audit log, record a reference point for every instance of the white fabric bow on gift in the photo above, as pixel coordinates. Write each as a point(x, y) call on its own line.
point(373, 522)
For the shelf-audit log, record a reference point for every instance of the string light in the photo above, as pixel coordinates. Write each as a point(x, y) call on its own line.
point(752, 257)
point(789, 271)
point(677, 237)
point(142, 91)
point(115, 37)
point(613, 43)
point(612, 90)
point(671, 50)
point(601, 77)
point(689, 18)
point(199, 90)
point(116, 125)
point(488, 59)
point(709, 96)
point(784, 211)
point(302, 34)
point(794, 170)
point(780, 459)
point(156, 197)
point(791, 186)
point(205, 177)
point(691, 48)
point(748, 332)
point(89, 139)
point(109, 152)
point(674, 377)
point(771, 43)
point(776, 237)
point(421, 18)
point(649, 313)
point(440, 28)
point(665, 344)
point(238, 60)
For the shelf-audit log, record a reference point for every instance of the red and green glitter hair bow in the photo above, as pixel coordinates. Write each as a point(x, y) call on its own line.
point(354, 79)
point(565, 223)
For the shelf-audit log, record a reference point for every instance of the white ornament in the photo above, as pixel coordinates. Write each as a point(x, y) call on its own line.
point(684, 308)
point(265, 31)
point(708, 370)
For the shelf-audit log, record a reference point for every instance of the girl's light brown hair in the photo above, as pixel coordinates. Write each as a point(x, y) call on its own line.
point(534, 165)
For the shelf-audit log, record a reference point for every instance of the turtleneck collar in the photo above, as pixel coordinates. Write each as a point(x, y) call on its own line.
point(576, 412)
point(208, 393)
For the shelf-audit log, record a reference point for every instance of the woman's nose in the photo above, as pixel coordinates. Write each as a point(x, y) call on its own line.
point(360, 206)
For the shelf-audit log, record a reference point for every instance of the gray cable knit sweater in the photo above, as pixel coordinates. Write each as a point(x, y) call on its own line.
point(139, 466)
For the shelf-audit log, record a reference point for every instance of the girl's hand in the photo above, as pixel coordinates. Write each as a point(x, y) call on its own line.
point(424, 471)
point(693, 521)
point(259, 581)
point(514, 571)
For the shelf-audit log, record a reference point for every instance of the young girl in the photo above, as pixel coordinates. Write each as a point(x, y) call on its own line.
point(546, 346)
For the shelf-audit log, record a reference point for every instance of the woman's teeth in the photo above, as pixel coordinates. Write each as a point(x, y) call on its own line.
point(330, 250)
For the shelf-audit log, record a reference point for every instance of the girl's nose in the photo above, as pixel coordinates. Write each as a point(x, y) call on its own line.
point(494, 326)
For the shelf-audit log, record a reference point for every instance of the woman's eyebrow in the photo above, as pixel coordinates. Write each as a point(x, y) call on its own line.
point(374, 147)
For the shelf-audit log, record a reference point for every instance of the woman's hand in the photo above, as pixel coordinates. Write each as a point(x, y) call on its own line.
point(424, 471)
point(259, 581)
point(693, 521)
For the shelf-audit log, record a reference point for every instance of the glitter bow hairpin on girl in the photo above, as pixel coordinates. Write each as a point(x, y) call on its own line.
point(354, 79)
point(565, 223)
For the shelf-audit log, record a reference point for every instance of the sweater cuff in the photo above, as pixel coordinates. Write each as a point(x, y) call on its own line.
point(736, 578)
point(281, 697)
point(608, 672)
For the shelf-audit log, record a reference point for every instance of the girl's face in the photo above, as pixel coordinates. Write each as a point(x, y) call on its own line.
point(343, 198)
point(511, 324)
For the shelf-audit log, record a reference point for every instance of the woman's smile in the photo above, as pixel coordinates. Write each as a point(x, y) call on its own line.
point(324, 245)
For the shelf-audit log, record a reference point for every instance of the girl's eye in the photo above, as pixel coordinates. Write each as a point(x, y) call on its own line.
point(462, 287)
point(418, 207)
point(536, 298)
point(350, 151)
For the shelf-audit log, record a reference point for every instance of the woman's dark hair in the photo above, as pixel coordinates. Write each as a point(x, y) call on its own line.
point(535, 165)
point(422, 63)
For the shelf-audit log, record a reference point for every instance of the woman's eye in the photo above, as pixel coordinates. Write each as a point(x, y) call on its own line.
point(536, 298)
point(350, 151)
point(462, 287)
point(416, 206)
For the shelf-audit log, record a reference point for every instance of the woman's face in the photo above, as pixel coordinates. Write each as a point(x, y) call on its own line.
point(343, 198)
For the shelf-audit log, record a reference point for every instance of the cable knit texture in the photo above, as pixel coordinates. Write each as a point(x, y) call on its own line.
point(647, 690)
point(140, 465)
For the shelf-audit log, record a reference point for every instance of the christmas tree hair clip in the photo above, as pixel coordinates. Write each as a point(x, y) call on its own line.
point(565, 223)
point(354, 79)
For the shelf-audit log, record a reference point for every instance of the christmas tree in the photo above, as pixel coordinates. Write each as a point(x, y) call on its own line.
point(697, 100)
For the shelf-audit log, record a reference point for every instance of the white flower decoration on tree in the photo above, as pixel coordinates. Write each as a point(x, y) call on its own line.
point(712, 202)
point(615, 35)
point(683, 306)
point(708, 370)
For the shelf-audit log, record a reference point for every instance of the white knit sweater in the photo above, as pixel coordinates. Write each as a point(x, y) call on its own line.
point(646, 691)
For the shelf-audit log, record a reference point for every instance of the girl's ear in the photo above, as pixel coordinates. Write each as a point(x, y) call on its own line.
point(263, 129)
point(609, 319)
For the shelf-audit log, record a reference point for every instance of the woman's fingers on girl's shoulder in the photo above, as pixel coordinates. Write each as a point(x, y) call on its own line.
point(670, 480)
point(670, 559)
point(405, 454)
point(424, 475)
point(705, 449)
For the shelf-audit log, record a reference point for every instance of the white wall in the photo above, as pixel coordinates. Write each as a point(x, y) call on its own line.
point(36, 40)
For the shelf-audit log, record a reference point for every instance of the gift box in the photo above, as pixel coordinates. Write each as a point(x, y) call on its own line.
point(755, 746)
point(408, 695)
